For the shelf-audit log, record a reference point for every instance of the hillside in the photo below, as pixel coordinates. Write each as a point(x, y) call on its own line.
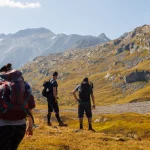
point(113, 131)
point(119, 69)
point(27, 44)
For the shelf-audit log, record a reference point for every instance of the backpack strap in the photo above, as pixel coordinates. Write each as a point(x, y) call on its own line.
point(10, 106)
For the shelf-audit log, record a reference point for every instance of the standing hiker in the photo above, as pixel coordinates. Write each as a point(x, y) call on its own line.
point(16, 103)
point(85, 90)
point(51, 87)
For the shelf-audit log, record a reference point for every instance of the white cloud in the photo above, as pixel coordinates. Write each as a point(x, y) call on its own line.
point(17, 4)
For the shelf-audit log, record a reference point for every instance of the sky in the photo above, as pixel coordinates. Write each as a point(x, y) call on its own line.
point(85, 17)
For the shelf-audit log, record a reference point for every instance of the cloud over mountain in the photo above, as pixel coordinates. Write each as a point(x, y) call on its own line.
point(21, 5)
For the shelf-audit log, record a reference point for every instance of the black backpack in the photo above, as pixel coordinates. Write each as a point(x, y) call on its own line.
point(47, 85)
point(85, 91)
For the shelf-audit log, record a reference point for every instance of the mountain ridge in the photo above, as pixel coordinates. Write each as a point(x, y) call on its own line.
point(119, 69)
point(30, 43)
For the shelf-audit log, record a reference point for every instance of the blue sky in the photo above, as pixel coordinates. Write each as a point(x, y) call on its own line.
point(86, 17)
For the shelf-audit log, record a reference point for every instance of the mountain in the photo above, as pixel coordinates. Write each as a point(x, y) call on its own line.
point(90, 41)
point(2, 36)
point(119, 70)
point(25, 45)
point(103, 37)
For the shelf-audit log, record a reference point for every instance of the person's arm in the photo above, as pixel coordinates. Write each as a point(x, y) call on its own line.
point(93, 99)
point(29, 129)
point(31, 104)
point(74, 94)
point(55, 93)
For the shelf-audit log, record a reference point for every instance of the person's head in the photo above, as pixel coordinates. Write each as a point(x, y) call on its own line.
point(86, 80)
point(6, 68)
point(3, 69)
point(55, 75)
point(9, 66)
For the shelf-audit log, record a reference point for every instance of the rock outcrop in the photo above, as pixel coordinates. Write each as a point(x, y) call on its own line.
point(137, 76)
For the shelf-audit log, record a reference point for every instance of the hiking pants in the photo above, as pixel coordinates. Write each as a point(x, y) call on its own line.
point(11, 136)
point(53, 105)
point(84, 107)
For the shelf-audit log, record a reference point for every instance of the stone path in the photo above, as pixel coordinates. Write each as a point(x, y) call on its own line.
point(138, 107)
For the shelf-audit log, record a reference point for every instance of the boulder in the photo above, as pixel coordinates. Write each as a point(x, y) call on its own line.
point(119, 50)
point(137, 76)
point(116, 42)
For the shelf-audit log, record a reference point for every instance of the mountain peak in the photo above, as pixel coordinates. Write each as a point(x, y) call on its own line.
point(103, 37)
point(31, 31)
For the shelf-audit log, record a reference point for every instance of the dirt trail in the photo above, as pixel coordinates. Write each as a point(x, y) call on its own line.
point(138, 107)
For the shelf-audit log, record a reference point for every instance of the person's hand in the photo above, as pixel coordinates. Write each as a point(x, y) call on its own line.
point(56, 100)
point(29, 131)
point(93, 106)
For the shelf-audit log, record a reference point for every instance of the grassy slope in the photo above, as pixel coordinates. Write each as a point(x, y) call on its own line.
point(131, 128)
point(122, 131)
point(95, 63)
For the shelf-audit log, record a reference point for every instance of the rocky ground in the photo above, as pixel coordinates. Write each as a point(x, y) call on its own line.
point(138, 107)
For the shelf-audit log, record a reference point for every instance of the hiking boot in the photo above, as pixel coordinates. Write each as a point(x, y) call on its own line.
point(91, 129)
point(61, 124)
point(79, 130)
point(49, 124)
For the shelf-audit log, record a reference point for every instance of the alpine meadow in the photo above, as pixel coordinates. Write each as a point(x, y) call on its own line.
point(120, 72)
point(75, 75)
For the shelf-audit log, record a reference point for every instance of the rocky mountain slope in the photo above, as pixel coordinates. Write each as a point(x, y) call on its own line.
point(119, 69)
point(25, 45)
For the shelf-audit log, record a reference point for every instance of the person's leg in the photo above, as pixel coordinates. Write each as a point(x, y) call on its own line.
point(50, 110)
point(81, 123)
point(6, 134)
point(80, 115)
point(56, 110)
point(88, 112)
point(90, 123)
point(49, 117)
point(19, 131)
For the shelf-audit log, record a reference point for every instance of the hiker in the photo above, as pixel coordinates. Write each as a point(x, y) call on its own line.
point(85, 90)
point(14, 91)
point(52, 99)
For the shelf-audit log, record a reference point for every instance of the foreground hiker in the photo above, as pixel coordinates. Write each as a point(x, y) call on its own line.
point(16, 103)
point(51, 90)
point(85, 90)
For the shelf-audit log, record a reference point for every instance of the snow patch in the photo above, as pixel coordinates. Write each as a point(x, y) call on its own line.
point(54, 37)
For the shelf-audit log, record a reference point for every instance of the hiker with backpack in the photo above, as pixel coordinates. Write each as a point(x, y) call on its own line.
point(85, 90)
point(16, 103)
point(50, 91)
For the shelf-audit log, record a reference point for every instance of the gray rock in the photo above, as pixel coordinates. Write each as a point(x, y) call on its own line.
point(116, 42)
point(120, 50)
point(137, 76)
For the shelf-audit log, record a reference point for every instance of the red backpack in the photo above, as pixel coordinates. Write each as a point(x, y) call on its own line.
point(13, 96)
